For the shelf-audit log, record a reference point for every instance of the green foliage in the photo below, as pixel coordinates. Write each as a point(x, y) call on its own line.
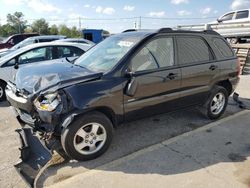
point(15, 24)
point(64, 30)
point(75, 33)
point(41, 26)
point(53, 30)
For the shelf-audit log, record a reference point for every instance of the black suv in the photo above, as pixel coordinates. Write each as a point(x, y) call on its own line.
point(128, 76)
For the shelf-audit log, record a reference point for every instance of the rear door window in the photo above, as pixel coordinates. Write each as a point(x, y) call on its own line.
point(68, 51)
point(192, 50)
point(242, 14)
point(223, 47)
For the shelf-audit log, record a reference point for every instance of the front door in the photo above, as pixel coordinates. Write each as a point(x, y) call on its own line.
point(155, 80)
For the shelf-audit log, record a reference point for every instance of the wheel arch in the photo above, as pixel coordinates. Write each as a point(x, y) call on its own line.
point(109, 113)
point(2, 81)
point(227, 85)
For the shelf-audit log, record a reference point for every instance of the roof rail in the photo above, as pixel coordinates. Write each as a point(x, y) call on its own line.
point(211, 32)
point(165, 30)
point(129, 30)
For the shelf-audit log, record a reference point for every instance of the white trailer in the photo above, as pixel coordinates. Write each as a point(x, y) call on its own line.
point(234, 32)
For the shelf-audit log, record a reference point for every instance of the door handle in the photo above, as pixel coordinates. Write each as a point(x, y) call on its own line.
point(172, 76)
point(213, 67)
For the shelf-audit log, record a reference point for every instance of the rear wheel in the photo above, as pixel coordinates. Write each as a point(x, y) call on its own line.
point(87, 137)
point(217, 102)
point(2, 91)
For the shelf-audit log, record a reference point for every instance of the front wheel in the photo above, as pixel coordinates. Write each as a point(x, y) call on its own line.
point(87, 137)
point(2, 91)
point(217, 102)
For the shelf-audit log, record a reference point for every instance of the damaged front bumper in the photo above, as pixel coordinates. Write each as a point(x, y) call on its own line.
point(36, 156)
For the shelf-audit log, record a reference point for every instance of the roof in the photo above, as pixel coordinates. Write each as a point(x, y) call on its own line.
point(47, 37)
point(170, 30)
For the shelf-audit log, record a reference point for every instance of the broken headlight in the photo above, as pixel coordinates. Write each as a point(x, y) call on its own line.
point(47, 102)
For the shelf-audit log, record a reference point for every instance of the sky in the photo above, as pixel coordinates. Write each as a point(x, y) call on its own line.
point(116, 16)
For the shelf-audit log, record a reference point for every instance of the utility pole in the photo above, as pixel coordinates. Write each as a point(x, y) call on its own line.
point(140, 22)
point(80, 24)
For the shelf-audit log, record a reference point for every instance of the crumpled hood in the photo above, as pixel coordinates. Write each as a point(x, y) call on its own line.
point(38, 77)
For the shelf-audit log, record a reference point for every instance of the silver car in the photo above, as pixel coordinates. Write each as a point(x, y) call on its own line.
point(37, 53)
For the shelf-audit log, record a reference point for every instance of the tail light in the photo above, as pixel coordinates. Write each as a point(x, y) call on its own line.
point(238, 66)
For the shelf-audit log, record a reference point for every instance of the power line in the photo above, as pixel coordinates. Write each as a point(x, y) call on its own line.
point(127, 18)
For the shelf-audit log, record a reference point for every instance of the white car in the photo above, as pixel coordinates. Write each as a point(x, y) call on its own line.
point(235, 16)
point(37, 53)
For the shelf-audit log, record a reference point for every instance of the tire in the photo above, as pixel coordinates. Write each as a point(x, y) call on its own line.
point(234, 40)
point(221, 94)
point(2, 91)
point(92, 127)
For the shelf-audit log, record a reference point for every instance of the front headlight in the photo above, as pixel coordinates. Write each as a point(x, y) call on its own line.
point(47, 102)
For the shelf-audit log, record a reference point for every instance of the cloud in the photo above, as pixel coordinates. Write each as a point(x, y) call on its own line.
point(99, 9)
point(128, 8)
point(157, 14)
point(240, 4)
point(105, 10)
point(87, 6)
point(42, 6)
point(177, 2)
point(206, 10)
point(184, 13)
point(108, 10)
point(13, 2)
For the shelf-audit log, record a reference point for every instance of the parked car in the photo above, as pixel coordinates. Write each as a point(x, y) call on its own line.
point(127, 76)
point(31, 40)
point(35, 53)
point(77, 40)
point(15, 39)
point(235, 16)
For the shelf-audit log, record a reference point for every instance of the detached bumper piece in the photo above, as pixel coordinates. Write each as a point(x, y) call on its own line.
point(34, 156)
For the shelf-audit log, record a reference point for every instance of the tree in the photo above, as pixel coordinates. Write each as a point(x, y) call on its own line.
point(64, 30)
point(7, 30)
point(75, 33)
point(41, 26)
point(53, 30)
point(17, 21)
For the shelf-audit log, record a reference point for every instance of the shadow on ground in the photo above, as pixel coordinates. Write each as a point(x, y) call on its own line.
point(136, 135)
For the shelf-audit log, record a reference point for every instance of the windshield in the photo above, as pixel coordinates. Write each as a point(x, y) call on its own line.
point(105, 55)
point(23, 43)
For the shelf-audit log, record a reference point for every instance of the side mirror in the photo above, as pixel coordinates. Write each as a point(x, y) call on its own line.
point(219, 20)
point(16, 66)
point(132, 84)
point(129, 74)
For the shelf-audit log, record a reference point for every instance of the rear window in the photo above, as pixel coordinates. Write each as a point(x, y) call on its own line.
point(193, 50)
point(242, 14)
point(223, 47)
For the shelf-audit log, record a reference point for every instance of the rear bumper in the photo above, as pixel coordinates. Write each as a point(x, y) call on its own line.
point(234, 82)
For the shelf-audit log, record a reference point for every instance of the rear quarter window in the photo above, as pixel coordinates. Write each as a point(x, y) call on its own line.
point(222, 46)
point(192, 49)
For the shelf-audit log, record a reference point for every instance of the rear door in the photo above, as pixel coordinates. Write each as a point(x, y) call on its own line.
point(156, 79)
point(242, 16)
point(198, 68)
